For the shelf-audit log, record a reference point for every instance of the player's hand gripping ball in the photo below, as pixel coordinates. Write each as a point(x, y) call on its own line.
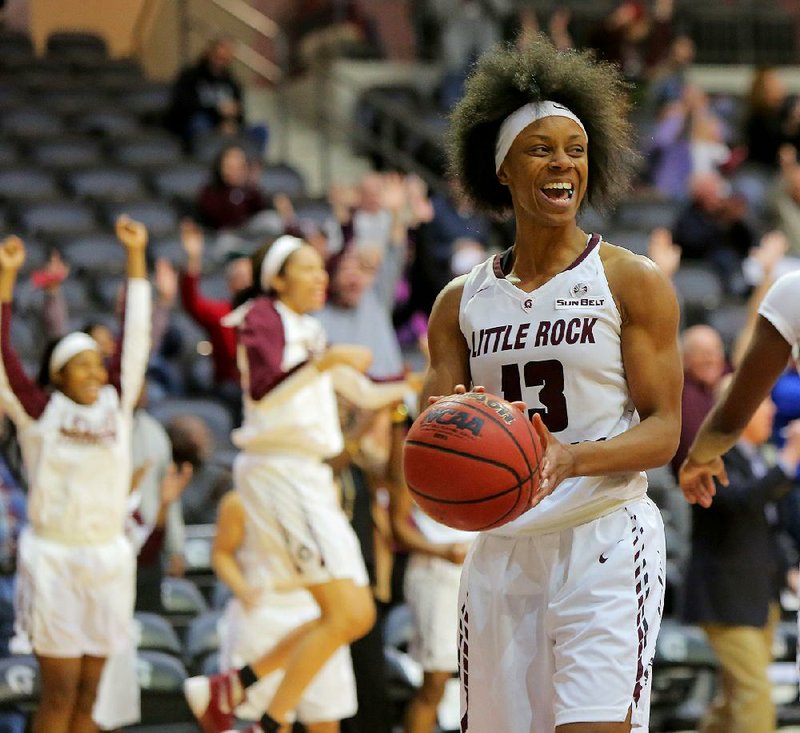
point(472, 461)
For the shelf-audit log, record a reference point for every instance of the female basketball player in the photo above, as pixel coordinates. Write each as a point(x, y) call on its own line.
point(75, 564)
point(290, 427)
point(776, 332)
point(560, 609)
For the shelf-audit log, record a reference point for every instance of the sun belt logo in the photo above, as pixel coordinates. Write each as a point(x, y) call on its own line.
point(579, 289)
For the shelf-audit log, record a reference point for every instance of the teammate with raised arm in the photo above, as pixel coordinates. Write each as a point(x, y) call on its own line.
point(560, 609)
point(76, 567)
point(776, 332)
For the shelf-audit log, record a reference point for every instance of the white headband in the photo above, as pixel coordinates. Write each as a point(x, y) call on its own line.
point(517, 121)
point(278, 253)
point(71, 345)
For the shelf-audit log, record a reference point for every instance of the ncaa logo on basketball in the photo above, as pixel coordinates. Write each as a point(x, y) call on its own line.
point(456, 418)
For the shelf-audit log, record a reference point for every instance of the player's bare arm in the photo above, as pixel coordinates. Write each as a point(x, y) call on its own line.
point(650, 355)
point(766, 357)
point(449, 355)
point(227, 540)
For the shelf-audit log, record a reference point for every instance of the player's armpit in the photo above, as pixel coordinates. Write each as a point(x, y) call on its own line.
point(449, 355)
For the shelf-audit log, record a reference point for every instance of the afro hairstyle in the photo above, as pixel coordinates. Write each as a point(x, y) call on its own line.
point(505, 79)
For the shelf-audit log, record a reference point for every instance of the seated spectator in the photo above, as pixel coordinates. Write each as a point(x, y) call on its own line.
point(712, 227)
point(703, 367)
point(772, 118)
point(232, 197)
point(206, 97)
point(193, 443)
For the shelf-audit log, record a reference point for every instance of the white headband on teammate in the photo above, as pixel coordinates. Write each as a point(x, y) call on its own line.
point(277, 254)
point(517, 121)
point(71, 345)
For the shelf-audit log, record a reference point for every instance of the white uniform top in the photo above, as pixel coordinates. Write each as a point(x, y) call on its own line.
point(557, 349)
point(781, 307)
point(437, 533)
point(78, 457)
point(289, 405)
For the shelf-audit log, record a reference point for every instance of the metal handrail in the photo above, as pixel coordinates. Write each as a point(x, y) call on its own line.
point(251, 17)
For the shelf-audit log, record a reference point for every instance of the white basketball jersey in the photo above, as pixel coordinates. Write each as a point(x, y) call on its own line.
point(558, 350)
point(437, 533)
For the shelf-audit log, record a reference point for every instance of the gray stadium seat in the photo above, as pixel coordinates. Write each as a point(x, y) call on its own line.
point(206, 148)
point(158, 216)
point(645, 215)
point(591, 220)
point(107, 122)
point(106, 184)
point(27, 184)
point(148, 101)
point(729, 320)
point(57, 218)
point(75, 101)
point(66, 153)
point(316, 210)
point(700, 291)
point(182, 182)
point(15, 46)
point(156, 633)
point(161, 678)
point(282, 178)
point(202, 639)
point(182, 601)
point(148, 153)
point(71, 44)
point(9, 153)
point(636, 240)
point(31, 123)
point(95, 254)
point(115, 75)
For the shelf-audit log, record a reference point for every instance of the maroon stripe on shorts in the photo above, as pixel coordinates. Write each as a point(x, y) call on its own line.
point(463, 661)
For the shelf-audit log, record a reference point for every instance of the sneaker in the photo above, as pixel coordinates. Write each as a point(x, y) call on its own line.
point(255, 728)
point(213, 700)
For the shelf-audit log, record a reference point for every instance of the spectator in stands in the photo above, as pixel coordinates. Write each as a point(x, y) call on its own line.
point(635, 38)
point(713, 228)
point(321, 30)
point(703, 367)
point(734, 547)
point(152, 451)
point(78, 459)
point(358, 310)
point(784, 199)
point(772, 118)
point(232, 197)
point(453, 218)
point(193, 443)
point(208, 313)
point(669, 77)
point(688, 140)
point(206, 97)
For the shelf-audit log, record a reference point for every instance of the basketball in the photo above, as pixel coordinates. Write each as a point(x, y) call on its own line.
point(472, 461)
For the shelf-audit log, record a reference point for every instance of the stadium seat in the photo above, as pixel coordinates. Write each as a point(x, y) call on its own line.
point(106, 290)
point(158, 216)
point(66, 153)
point(161, 678)
point(700, 291)
point(182, 601)
point(202, 639)
point(684, 669)
point(19, 683)
point(13, 97)
point(282, 178)
point(107, 122)
point(27, 185)
point(9, 153)
point(636, 240)
point(15, 46)
point(69, 45)
point(106, 184)
point(207, 147)
point(57, 218)
point(591, 220)
point(75, 101)
point(148, 152)
point(316, 210)
point(95, 254)
point(31, 123)
point(645, 215)
point(147, 101)
point(114, 75)
point(156, 633)
point(181, 182)
point(729, 320)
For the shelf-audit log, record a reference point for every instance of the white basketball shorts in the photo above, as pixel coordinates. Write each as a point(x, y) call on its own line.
point(431, 591)
point(561, 628)
point(246, 635)
point(294, 505)
point(75, 600)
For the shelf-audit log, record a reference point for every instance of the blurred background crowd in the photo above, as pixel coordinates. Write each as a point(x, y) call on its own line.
point(200, 151)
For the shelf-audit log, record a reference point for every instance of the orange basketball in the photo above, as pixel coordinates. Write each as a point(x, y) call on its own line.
point(472, 461)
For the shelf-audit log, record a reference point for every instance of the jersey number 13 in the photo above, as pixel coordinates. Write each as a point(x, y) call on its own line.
point(548, 375)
